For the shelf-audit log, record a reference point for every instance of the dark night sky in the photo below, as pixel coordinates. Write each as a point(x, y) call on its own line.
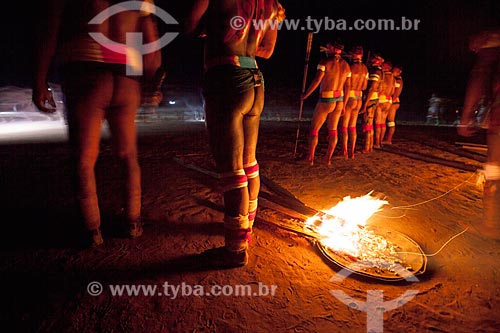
point(435, 57)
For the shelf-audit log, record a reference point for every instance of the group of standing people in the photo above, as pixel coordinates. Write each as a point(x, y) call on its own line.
point(98, 85)
point(349, 89)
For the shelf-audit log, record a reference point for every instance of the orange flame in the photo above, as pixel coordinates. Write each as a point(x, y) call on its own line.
point(340, 228)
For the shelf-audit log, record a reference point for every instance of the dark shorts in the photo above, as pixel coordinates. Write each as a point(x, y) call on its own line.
point(75, 69)
point(230, 79)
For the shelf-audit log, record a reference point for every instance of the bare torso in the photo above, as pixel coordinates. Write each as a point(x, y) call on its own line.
point(77, 45)
point(387, 85)
point(337, 70)
point(78, 13)
point(359, 76)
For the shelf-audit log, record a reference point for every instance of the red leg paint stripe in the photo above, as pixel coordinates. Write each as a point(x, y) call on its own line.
point(252, 170)
point(233, 180)
point(332, 133)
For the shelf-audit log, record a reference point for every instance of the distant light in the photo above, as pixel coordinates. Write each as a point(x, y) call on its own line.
point(171, 102)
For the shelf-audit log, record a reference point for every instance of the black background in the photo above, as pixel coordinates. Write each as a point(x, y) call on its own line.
point(435, 58)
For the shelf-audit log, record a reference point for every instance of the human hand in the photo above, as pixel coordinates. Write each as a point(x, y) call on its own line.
point(43, 97)
point(151, 99)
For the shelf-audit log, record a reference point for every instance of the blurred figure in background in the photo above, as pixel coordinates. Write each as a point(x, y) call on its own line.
point(433, 111)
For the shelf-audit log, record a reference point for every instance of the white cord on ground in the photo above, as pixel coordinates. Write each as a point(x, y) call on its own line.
point(438, 197)
point(442, 247)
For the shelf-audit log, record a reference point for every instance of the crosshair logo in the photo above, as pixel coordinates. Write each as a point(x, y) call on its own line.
point(374, 305)
point(134, 48)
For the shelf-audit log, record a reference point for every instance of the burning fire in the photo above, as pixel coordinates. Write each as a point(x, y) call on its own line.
point(341, 228)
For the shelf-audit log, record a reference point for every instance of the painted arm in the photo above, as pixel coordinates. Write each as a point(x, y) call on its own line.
point(265, 48)
point(347, 85)
point(192, 25)
point(152, 61)
point(397, 92)
point(365, 81)
point(371, 88)
point(154, 73)
point(314, 84)
point(44, 52)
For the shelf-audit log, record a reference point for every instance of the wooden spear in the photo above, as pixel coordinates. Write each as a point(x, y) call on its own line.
point(304, 81)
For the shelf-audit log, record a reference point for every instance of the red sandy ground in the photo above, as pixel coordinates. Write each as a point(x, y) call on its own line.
point(44, 273)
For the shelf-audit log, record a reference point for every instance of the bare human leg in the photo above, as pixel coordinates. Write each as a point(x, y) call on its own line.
point(88, 92)
point(391, 124)
point(319, 117)
point(226, 123)
point(121, 119)
point(332, 123)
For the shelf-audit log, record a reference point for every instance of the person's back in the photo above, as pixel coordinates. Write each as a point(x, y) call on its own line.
point(78, 42)
point(388, 84)
point(337, 70)
point(359, 76)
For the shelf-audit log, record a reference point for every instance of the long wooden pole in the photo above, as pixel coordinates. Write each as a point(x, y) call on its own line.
point(304, 81)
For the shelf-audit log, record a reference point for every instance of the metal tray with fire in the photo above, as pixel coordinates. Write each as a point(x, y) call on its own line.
point(343, 237)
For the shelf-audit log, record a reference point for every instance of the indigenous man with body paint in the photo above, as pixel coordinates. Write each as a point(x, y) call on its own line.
point(484, 82)
point(396, 103)
point(372, 97)
point(333, 77)
point(359, 82)
point(384, 103)
point(233, 89)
